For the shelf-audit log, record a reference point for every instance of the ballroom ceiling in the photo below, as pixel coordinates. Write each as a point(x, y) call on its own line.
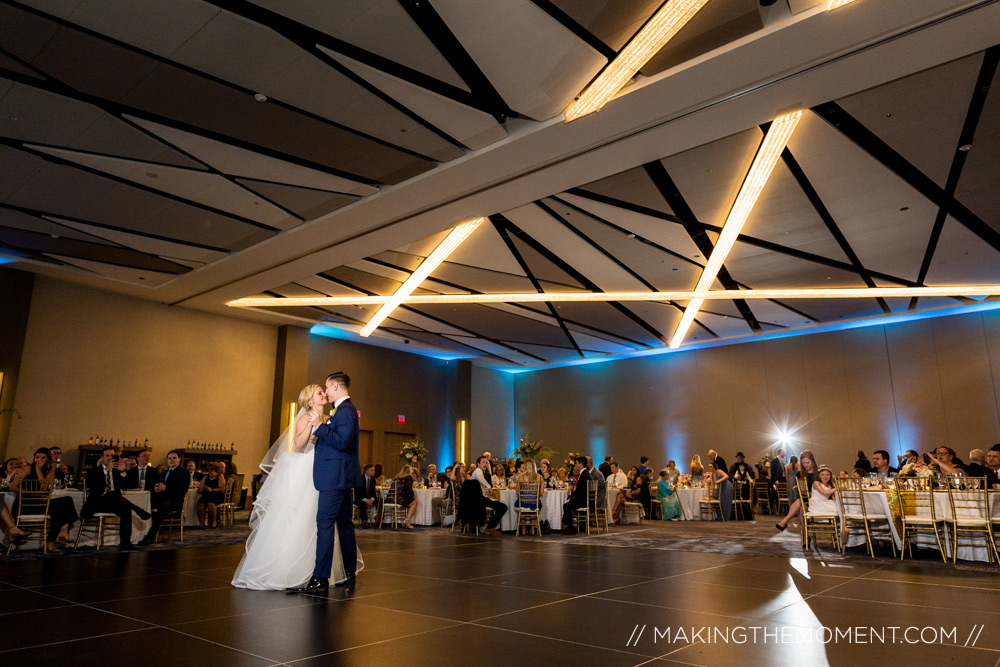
point(195, 152)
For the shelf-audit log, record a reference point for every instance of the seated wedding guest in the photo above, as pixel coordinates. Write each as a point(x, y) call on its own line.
point(910, 455)
point(563, 477)
point(844, 474)
point(211, 496)
point(105, 482)
point(859, 472)
point(404, 494)
point(365, 495)
point(822, 497)
point(807, 470)
point(741, 472)
point(977, 467)
point(617, 479)
point(379, 476)
point(605, 467)
point(191, 468)
point(720, 463)
point(499, 476)
point(602, 484)
point(945, 460)
point(638, 492)
point(862, 461)
point(14, 534)
point(720, 478)
point(512, 467)
point(130, 464)
point(670, 506)
point(436, 503)
point(578, 498)
point(697, 471)
point(10, 468)
point(229, 470)
point(643, 464)
point(62, 511)
point(168, 493)
point(432, 475)
point(528, 473)
point(62, 470)
point(547, 477)
point(993, 461)
point(633, 472)
point(741, 459)
point(143, 476)
point(881, 467)
point(499, 508)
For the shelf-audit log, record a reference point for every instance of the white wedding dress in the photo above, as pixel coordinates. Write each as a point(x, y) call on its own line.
point(281, 549)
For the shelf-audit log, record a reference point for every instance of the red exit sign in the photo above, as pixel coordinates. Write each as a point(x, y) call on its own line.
point(401, 419)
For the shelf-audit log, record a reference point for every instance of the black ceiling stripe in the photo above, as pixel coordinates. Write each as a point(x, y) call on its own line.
point(534, 282)
point(119, 110)
point(743, 238)
point(624, 230)
point(79, 254)
point(438, 32)
point(338, 281)
point(672, 195)
point(55, 159)
point(47, 215)
point(831, 225)
point(37, 257)
point(306, 37)
point(511, 228)
point(987, 71)
point(571, 24)
point(229, 84)
point(869, 142)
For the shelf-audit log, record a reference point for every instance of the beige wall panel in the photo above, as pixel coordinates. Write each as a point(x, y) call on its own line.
point(101, 364)
point(872, 417)
point(966, 388)
point(755, 426)
point(492, 427)
point(830, 434)
point(916, 386)
point(672, 428)
point(784, 372)
point(715, 399)
point(991, 331)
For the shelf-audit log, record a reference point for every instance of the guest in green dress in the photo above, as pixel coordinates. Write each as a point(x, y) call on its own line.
point(669, 504)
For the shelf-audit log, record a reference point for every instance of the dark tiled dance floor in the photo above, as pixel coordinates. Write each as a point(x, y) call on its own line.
point(429, 598)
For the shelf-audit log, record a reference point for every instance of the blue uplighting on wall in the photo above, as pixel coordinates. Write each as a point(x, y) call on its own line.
point(874, 321)
point(6, 260)
point(353, 336)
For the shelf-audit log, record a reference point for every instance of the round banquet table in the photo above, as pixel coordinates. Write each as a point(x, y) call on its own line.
point(89, 538)
point(424, 515)
point(552, 508)
point(191, 507)
point(689, 500)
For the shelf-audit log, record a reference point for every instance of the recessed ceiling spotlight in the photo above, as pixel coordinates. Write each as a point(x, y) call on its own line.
point(55, 236)
point(260, 97)
point(631, 236)
point(965, 148)
point(888, 115)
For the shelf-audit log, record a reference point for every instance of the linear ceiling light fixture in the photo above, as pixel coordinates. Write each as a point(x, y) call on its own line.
point(834, 4)
point(660, 29)
point(445, 248)
point(770, 150)
point(570, 297)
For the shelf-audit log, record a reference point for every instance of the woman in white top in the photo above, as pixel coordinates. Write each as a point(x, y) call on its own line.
point(281, 549)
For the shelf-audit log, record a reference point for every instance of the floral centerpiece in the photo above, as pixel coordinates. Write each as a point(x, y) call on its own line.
point(683, 481)
point(917, 468)
point(531, 449)
point(413, 451)
point(571, 460)
point(765, 463)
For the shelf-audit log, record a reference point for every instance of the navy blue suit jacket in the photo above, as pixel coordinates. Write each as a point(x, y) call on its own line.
point(336, 465)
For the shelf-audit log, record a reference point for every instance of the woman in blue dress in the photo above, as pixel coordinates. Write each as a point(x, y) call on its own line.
point(720, 478)
point(669, 504)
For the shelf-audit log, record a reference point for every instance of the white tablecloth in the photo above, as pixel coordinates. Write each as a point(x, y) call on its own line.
point(191, 509)
point(552, 508)
point(690, 500)
point(89, 538)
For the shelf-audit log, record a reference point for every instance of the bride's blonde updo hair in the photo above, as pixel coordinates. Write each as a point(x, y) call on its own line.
point(305, 396)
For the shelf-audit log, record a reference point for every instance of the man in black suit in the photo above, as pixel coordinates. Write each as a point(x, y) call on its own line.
point(168, 493)
point(364, 495)
point(578, 498)
point(978, 467)
point(720, 463)
point(882, 469)
point(482, 476)
point(143, 476)
point(105, 482)
point(605, 467)
point(741, 459)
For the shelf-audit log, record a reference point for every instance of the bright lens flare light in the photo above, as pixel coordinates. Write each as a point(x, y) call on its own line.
point(834, 4)
point(666, 23)
point(777, 137)
point(451, 242)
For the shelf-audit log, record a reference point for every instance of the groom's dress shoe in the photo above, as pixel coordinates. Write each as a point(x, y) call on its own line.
point(315, 584)
point(349, 582)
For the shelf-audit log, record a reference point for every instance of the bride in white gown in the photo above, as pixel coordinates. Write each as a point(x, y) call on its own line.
point(281, 549)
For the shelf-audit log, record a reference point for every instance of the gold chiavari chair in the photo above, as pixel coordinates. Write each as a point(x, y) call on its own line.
point(173, 520)
point(102, 522)
point(816, 524)
point(598, 514)
point(854, 512)
point(227, 510)
point(743, 500)
point(782, 489)
point(582, 514)
point(529, 496)
point(33, 511)
point(762, 496)
point(654, 510)
point(390, 506)
point(970, 512)
point(916, 506)
point(710, 503)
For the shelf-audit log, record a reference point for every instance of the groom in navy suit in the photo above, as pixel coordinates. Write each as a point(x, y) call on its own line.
point(336, 471)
